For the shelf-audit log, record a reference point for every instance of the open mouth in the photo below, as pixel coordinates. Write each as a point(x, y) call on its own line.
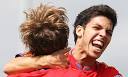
point(98, 44)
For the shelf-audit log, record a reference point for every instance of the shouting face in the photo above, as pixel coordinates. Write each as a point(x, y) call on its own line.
point(95, 36)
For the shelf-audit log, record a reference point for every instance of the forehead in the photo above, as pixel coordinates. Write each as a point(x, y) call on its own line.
point(101, 21)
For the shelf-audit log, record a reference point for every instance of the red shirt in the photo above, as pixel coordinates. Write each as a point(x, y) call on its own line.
point(74, 70)
point(98, 70)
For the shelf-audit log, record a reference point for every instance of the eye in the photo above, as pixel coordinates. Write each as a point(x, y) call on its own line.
point(109, 32)
point(97, 27)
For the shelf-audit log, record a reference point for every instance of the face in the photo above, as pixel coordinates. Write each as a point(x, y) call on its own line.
point(96, 36)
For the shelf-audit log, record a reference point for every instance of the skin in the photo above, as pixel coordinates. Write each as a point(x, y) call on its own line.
point(92, 40)
point(29, 64)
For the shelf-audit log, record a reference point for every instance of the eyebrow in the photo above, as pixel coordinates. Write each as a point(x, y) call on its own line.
point(98, 25)
point(102, 27)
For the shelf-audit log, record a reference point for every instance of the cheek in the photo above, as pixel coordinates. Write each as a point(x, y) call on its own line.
point(108, 41)
point(88, 36)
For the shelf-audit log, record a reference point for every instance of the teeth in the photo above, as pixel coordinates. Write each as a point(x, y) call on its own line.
point(98, 44)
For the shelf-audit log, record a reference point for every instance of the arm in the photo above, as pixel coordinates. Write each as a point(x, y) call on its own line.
point(20, 65)
point(28, 64)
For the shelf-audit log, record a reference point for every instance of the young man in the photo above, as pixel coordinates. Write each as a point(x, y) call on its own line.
point(45, 33)
point(93, 30)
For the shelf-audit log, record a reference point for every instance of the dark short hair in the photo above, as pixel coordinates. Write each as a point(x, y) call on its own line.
point(45, 30)
point(97, 10)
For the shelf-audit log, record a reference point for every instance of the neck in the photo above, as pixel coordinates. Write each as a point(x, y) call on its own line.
point(82, 57)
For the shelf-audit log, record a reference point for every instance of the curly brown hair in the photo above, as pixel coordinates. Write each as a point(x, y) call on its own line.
point(45, 30)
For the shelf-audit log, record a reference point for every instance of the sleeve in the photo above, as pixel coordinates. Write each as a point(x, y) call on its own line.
point(108, 71)
point(113, 72)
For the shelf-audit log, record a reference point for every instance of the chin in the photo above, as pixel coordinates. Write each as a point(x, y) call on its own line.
point(95, 56)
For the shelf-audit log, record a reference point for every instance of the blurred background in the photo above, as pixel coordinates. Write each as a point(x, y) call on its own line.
point(11, 16)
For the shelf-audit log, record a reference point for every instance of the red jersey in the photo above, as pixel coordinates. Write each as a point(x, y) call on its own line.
point(98, 70)
point(74, 70)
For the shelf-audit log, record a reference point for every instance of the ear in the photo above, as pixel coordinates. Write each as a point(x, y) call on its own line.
point(79, 31)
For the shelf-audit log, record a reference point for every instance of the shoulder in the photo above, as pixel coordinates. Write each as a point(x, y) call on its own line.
point(108, 70)
point(104, 66)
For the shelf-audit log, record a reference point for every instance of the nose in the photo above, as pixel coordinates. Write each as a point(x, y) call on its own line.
point(103, 33)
